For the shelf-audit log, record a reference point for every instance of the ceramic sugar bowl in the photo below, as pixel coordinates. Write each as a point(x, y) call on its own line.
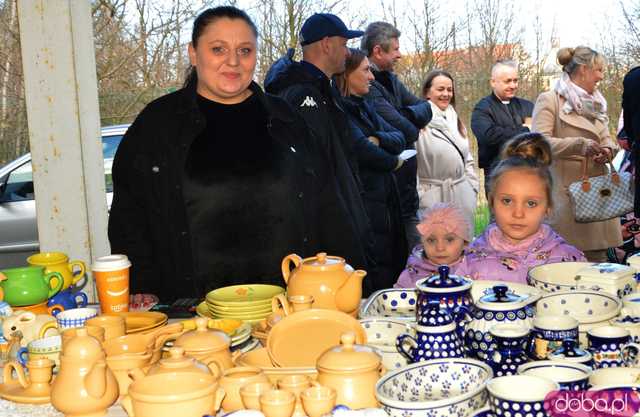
point(499, 304)
point(331, 282)
point(179, 362)
point(85, 386)
point(206, 345)
point(173, 394)
point(353, 371)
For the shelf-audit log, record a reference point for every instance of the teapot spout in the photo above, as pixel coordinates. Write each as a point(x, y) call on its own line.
point(349, 294)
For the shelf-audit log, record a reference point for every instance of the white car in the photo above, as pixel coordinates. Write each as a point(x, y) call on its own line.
point(19, 231)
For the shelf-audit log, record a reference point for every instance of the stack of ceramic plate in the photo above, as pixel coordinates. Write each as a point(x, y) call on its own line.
point(249, 303)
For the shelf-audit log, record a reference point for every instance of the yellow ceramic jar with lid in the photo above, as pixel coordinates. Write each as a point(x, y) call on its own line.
point(331, 282)
point(179, 362)
point(353, 371)
point(207, 345)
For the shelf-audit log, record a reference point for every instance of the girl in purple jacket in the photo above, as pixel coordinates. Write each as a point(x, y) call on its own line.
point(520, 198)
point(444, 233)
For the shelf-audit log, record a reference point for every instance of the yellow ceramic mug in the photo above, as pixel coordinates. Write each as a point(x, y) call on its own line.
point(59, 262)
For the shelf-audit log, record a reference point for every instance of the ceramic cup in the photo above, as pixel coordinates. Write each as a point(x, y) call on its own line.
point(291, 304)
point(631, 323)
point(72, 271)
point(631, 305)
point(611, 347)
point(519, 395)
point(295, 384)
point(112, 280)
point(548, 332)
point(69, 319)
point(318, 401)
point(44, 348)
point(251, 393)
point(235, 378)
point(277, 403)
point(66, 300)
point(570, 376)
point(114, 326)
point(29, 285)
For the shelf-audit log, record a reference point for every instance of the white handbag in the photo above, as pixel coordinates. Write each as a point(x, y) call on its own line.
point(603, 197)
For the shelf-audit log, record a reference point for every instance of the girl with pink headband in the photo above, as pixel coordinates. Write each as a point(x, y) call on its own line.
point(444, 233)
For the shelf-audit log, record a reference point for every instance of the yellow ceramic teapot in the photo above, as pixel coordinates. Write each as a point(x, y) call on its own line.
point(330, 280)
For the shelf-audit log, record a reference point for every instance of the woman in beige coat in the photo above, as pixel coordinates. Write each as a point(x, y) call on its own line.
point(573, 116)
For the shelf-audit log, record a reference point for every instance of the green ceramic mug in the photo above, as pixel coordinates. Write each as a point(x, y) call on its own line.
point(29, 285)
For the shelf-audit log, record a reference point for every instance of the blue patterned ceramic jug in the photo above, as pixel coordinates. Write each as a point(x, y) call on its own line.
point(436, 337)
point(452, 292)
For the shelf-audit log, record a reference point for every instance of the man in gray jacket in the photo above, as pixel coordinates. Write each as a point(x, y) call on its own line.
point(400, 108)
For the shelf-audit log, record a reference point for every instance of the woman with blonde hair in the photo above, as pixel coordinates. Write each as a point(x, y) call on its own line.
point(573, 117)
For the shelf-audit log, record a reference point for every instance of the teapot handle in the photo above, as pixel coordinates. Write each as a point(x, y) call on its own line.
point(401, 348)
point(7, 375)
point(286, 272)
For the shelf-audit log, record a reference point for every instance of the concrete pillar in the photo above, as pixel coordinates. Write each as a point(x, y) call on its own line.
point(64, 127)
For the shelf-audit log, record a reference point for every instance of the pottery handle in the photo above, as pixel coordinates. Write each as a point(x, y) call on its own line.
point(217, 400)
point(127, 405)
point(235, 355)
point(286, 272)
point(214, 366)
point(400, 345)
point(48, 325)
point(77, 275)
point(629, 359)
point(277, 301)
point(493, 357)
point(23, 356)
point(7, 374)
point(55, 309)
point(53, 290)
point(83, 299)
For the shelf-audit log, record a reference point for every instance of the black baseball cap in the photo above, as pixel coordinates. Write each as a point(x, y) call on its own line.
point(321, 25)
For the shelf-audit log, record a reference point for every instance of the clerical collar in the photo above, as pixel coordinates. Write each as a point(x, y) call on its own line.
point(505, 102)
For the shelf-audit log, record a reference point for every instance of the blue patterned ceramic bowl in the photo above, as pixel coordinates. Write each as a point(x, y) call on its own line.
point(435, 388)
point(519, 395)
point(570, 376)
point(560, 276)
point(396, 303)
point(382, 334)
point(591, 308)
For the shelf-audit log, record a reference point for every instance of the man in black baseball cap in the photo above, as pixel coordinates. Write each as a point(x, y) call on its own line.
point(308, 88)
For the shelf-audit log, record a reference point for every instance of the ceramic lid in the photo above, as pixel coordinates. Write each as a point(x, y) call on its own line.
point(203, 339)
point(349, 357)
point(605, 270)
point(570, 351)
point(323, 262)
point(433, 315)
point(83, 347)
point(177, 361)
point(444, 281)
point(501, 294)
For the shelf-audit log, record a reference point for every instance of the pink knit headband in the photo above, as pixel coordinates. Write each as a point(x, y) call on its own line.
point(447, 216)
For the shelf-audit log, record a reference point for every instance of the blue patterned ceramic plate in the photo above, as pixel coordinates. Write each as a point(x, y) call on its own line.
point(396, 303)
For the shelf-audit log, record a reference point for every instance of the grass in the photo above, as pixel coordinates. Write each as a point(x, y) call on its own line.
point(481, 219)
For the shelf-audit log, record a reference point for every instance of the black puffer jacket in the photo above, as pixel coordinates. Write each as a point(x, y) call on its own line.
point(148, 217)
point(319, 105)
point(381, 200)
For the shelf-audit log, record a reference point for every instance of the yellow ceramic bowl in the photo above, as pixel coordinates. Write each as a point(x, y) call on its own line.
point(247, 295)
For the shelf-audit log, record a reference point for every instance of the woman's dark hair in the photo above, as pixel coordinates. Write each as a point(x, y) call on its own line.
point(426, 86)
point(353, 61)
point(528, 151)
point(208, 17)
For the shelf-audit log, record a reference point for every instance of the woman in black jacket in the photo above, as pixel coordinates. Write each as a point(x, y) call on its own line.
point(214, 184)
point(376, 145)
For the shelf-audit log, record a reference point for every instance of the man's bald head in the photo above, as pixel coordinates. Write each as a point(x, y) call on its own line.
point(504, 79)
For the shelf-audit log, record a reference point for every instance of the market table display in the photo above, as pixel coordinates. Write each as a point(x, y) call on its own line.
point(450, 346)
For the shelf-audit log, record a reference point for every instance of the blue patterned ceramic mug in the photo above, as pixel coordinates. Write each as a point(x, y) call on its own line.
point(548, 332)
point(519, 395)
point(611, 347)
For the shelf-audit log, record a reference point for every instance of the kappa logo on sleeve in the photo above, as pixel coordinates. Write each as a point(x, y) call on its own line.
point(308, 102)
